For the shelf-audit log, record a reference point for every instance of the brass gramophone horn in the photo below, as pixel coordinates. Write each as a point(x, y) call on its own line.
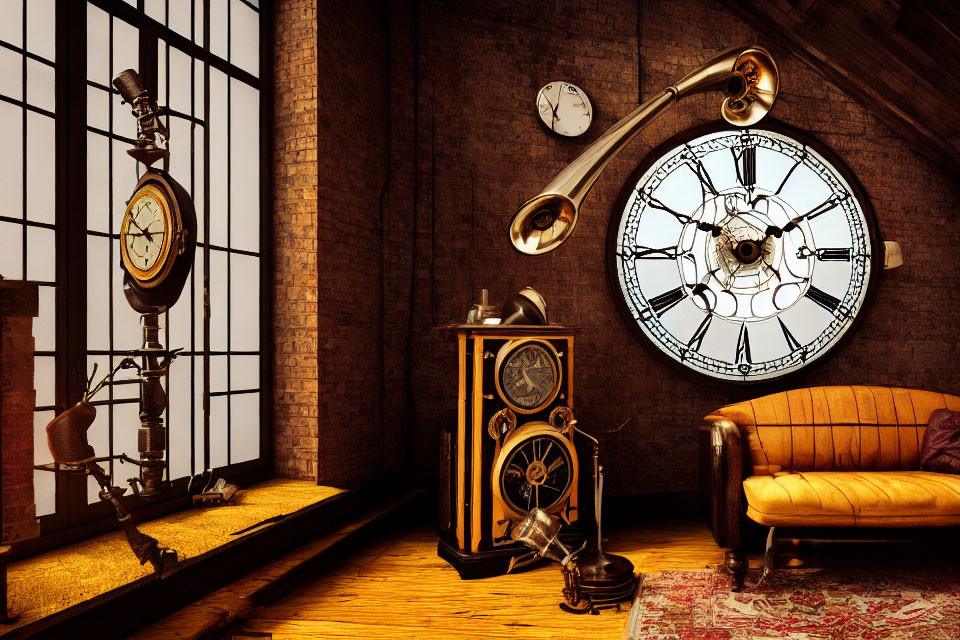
point(747, 76)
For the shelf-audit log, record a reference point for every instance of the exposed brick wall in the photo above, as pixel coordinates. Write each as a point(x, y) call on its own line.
point(295, 386)
point(481, 153)
point(17, 399)
point(343, 239)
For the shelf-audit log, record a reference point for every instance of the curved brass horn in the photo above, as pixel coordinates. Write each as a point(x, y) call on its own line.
point(747, 76)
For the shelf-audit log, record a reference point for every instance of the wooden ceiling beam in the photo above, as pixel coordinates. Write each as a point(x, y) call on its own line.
point(897, 59)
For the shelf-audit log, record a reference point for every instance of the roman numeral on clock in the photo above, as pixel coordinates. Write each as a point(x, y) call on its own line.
point(792, 343)
point(746, 164)
point(838, 254)
point(822, 298)
point(743, 345)
point(665, 301)
point(700, 333)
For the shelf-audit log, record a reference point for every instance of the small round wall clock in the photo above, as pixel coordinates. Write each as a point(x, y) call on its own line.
point(157, 242)
point(564, 108)
point(743, 255)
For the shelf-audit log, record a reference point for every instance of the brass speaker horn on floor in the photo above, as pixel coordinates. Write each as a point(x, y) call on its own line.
point(747, 76)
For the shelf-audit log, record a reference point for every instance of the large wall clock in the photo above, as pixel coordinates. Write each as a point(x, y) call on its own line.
point(743, 255)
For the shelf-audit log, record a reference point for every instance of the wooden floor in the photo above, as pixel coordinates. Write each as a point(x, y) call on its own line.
point(399, 588)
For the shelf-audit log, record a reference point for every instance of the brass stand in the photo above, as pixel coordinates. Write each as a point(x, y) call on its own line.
point(151, 438)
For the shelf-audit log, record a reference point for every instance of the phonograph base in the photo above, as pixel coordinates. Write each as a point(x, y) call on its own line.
point(493, 562)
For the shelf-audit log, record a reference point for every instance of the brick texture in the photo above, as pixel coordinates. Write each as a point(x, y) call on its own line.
point(482, 153)
point(343, 240)
point(295, 393)
point(405, 142)
point(17, 399)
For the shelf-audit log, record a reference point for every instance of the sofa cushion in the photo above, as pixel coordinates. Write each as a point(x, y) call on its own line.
point(854, 498)
point(856, 428)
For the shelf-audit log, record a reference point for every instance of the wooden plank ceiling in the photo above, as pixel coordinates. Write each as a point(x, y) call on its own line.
point(899, 58)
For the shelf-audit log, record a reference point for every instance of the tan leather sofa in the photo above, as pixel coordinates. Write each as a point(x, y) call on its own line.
point(827, 457)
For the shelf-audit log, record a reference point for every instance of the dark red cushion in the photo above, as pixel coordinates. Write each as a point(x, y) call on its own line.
point(941, 442)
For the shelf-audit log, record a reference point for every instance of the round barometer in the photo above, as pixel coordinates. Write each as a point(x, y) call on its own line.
point(537, 467)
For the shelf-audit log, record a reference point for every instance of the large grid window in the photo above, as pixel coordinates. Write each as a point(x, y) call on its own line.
point(201, 59)
point(27, 206)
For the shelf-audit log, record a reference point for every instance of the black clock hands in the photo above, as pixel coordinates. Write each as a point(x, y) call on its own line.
point(829, 204)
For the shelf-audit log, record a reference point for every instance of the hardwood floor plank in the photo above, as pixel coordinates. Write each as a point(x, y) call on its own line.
point(399, 588)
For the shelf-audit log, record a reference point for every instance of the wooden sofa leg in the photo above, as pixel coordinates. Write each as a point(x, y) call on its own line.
point(768, 556)
point(736, 563)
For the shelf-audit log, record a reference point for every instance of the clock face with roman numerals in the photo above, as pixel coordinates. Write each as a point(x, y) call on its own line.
point(743, 254)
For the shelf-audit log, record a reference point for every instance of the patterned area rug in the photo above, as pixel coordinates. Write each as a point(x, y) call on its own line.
point(865, 601)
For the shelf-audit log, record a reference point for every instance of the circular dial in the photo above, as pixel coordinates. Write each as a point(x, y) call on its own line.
point(529, 376)
point(743, 255)
point(537, 473)
point(564, 108)
point(145, 234)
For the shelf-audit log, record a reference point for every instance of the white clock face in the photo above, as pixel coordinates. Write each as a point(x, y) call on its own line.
point(564, 108)
point(743, 255)
point(145, 232)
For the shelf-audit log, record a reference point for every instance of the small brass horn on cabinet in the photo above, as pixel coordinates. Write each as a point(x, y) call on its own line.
point(749, 80)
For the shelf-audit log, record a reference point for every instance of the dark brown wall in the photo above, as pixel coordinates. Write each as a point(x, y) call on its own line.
point(480, 153)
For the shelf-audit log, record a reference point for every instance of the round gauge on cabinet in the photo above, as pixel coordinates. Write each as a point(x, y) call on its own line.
point(536, 468)
point(528, 374)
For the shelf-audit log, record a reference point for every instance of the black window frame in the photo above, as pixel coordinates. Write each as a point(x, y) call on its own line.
point(73, 518)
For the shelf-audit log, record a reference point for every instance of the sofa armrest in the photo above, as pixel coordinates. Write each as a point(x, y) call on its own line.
point(726, 502)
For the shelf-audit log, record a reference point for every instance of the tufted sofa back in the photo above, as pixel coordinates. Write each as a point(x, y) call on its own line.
point(835, 428)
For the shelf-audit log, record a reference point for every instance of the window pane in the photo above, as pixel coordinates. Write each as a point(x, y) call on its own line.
point(126, 53)
point(41, 175)
point(180, 81)
point(41, 254)
point(41, 28)
point(98, 168)
point(11, 27)
point(40, 85)
point(217, 127)
point(126, 422)
point(178, 424)
point(124, 391)
point(218, 431)
point(162, 73)
point(98, 293)
point(244, 307)
point(11, 250)
point(244, 372)
point(156, 9)
point(44, 482)
point(244, 168)
point(198, 182)
point(218, 374)
point(11, 74)
point(45, 380)
point(198, 298)
point(218, 28)
point(124, 179)
point(98, 111)
point(218, 301)
point(245, 37)
point(198, 23)
point(98, 45)
point(44, 334)
point(179, 20)
point(11, 161)
point(178, 318)
point(198, 413)
point(126, 322)
point(180, 151)
point(244, 427)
